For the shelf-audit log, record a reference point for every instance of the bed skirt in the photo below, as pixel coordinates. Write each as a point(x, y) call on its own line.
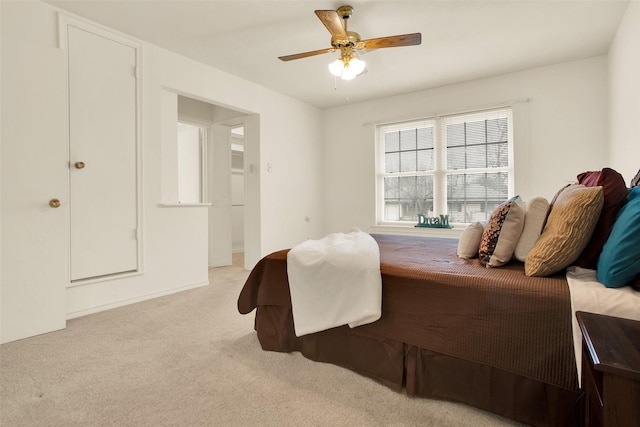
point(421, 372)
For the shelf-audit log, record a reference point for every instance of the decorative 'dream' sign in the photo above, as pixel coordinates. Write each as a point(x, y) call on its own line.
point(441, 221)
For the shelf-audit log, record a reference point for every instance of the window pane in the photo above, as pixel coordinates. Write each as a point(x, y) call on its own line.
point(409, 211)
point(408, 139)
point(456, 158)
point(497, 188)
point(472, 197)
point(455, 135)
point(391, 211)
point(391, 141)
point(456, 198)
point(497, 130)
point(408, 161)
point(407, 196)
point(392, 162)
point(477, 156)
point(478, 144)
point(424, 201)
point(425, 138)
point(475, 133)
point(391, 188)
point(498, 155)
point(407, 188)
point(425, 160)
point(391, 202)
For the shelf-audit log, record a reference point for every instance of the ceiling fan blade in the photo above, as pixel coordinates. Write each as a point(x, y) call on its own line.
point(393, 41)
point(305, 54)
point(331, 20)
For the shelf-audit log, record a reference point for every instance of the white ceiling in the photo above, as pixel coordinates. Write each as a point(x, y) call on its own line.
point(461, 40)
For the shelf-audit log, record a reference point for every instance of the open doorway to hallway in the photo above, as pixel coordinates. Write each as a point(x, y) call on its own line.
point(231, 181)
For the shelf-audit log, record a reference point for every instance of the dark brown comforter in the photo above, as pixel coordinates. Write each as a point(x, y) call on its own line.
point(443, 316)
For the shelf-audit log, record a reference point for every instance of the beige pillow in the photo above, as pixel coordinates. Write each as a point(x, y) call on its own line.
point(469, 243)
point(502, 233)
point(570, 224)
point(534, 219)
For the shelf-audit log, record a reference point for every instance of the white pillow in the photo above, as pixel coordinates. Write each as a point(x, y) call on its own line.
point(534, 219)
point(469, 243)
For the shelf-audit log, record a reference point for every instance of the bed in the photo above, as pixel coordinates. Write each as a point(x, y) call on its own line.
point(450, 329)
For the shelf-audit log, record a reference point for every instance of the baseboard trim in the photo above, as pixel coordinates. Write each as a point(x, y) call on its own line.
point(128, 301)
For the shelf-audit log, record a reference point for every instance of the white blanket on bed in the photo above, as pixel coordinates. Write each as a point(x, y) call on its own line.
point(335, 281)
point(587, 294)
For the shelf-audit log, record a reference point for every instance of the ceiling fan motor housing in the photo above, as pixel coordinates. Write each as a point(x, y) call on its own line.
point(352, 40)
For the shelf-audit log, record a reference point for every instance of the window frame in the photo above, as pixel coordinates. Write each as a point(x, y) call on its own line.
point(440, 171)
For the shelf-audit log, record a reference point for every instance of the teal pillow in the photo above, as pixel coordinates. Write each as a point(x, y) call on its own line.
point(619, 261)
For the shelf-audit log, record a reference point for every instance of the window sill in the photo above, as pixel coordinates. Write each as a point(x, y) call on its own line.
point(182, 205)
point(410, 230)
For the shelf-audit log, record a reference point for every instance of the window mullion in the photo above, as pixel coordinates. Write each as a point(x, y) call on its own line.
point(440, 165)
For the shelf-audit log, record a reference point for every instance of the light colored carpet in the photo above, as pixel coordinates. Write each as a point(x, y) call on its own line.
point(191, 359)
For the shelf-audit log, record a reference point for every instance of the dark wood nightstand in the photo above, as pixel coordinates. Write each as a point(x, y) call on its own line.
point(610, 370)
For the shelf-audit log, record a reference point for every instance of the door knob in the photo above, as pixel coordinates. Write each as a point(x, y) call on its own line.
point(54, 203)
point(79, 165)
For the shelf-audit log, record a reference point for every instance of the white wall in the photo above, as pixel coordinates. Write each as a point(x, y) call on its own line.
point(624, 91)
point(288, 135)
point(559, 133)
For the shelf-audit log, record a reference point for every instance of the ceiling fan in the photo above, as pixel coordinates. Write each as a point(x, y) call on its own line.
point(348, 66)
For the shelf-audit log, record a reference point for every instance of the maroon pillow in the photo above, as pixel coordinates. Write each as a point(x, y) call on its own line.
point(615, 196)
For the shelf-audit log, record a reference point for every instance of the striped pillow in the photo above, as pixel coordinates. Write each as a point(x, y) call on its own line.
point(569, 227)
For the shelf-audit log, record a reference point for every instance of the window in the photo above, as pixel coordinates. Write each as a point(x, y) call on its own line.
point(459, 165)
point(191, 166)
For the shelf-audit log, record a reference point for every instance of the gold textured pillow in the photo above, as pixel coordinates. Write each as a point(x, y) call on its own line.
point(570, 224)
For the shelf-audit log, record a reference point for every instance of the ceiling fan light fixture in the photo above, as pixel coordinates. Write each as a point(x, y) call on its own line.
point(348, 74)
point(336, 67)
point(357, 65)
point(347, 68)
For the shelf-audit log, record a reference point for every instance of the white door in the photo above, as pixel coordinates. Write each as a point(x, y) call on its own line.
point(102, 150)
point(33, 272)
point(219, 177)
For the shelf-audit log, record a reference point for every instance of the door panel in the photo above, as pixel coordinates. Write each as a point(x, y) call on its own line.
point(33, 155)
point(102, 135)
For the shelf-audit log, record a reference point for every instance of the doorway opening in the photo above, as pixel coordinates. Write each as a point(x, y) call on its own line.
point(230, 179)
